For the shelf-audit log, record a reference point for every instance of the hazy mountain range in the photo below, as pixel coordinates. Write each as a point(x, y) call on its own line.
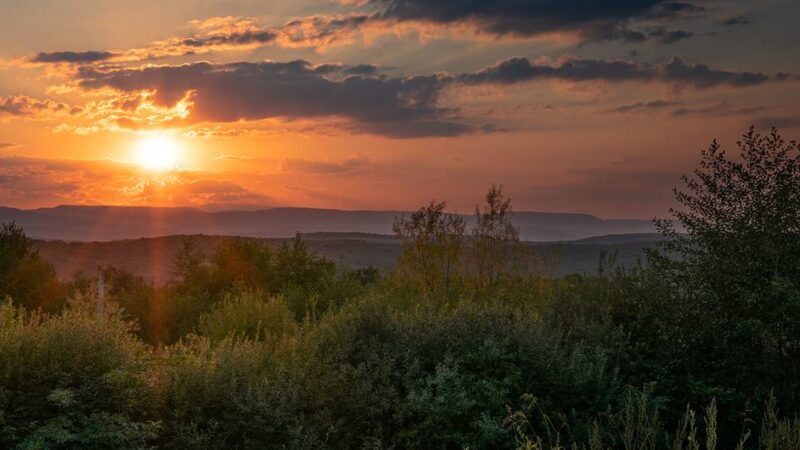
point(151, 257)
point(105, 223)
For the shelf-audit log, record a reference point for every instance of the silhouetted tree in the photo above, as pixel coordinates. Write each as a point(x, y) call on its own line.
point(733, 260)
point(25, 276)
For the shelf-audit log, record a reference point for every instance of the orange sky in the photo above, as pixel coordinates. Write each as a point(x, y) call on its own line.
point(383, 104)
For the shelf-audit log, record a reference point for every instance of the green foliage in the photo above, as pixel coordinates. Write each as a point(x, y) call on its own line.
point(136, 298)
point(432, 250)
point(441, 262)
point(495, 251)
point(72, 380)
point(24, 275)
point(249, 315)
point(429, 377)
point(734, 267)
point(233, 394)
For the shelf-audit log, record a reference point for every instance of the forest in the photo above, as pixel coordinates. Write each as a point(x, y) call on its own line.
point(470, 342)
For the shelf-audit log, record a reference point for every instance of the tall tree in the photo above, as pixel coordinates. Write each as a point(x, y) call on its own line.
point(733, 256)
point(432, 249)
point(496, 249)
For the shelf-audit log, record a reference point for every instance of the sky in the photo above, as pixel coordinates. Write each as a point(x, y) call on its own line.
point(572, 105)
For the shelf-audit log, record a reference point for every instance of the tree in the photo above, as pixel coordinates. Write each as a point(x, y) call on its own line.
point(432, 249)
point(189, 265)
point(733, 259)
point(496, 248)
point(739, 219)
point(25, 276)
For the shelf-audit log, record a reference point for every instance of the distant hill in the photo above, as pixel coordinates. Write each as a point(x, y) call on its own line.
point(106, 223)
point(151, 257)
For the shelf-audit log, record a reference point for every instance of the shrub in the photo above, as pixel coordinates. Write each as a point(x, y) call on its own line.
point(233, 394)
point(439, 378)
point(73, 380)
point(249, 315)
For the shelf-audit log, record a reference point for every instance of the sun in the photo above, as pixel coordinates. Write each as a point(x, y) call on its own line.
point(157, 153)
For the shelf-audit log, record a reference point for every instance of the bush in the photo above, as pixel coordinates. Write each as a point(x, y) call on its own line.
point(439, 378)
point(233, 394)
point(249, 315)
point(73, 380)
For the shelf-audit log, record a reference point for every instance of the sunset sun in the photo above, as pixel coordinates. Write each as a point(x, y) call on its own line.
point(157, 153)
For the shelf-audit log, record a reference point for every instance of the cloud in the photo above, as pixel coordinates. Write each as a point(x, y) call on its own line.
point(37, 181)
point(215, 34)
point(590, 21)
point(186, 189)
point(294, 90)
point(361, 69)
point(780, 122)
point(229, 157)
point(718, 110)
point(24, 106)
point(353, 98)
point(323, 31)
point(665, 36)
point(736, 21)
point(72, 57)
point(7, 145)
point(349, 165)
point(227, 34)
point(48, 180)
point(651, 105)
point(702, 76)
point(675, 72)
point(599, 21)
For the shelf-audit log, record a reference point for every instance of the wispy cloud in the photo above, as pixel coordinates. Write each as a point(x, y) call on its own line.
point(350, 165)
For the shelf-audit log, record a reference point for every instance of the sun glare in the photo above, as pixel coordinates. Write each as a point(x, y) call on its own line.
point(157, 153)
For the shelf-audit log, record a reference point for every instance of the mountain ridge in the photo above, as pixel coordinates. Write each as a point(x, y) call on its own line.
point(107, 222)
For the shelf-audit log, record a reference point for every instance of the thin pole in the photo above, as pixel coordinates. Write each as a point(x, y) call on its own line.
point(101, 294)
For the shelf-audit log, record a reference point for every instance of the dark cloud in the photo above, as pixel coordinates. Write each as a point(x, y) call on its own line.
point(72, 57)
point(701, 76)
point(778, 122)
point(675, 72)
point(5, 145)
point(361, 69)
point(322, 30)
point(358, 69)
point(517, 70)
point(397, 106)
point(665, 36)
point(651, 105)
point(673, 9)
point(592, 21)
point(349, 165)
point(232, 38)
point(718, 110)
point(736, 21)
